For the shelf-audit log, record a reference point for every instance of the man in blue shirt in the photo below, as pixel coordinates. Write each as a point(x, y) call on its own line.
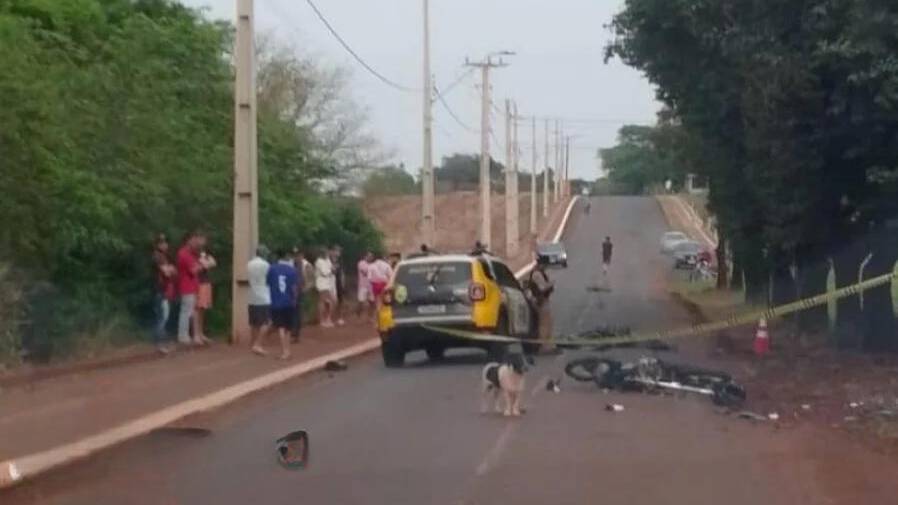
point(283, 282)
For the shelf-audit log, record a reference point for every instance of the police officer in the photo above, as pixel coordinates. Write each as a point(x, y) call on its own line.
point(541, 288)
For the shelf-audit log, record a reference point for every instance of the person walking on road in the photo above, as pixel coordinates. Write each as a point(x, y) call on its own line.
point(259, 299)
point(189, 267)
point(607, 248)
point(283, 283)
point(540, 290)
point(325, 284)
point(165, 291)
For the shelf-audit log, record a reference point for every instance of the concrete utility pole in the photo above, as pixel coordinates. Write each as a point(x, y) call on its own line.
point(427, 184)
point(565, 188)
point(246, 183)
point(533, 178)
point(510, 174)
point(485, 65)
point(555, 192)
point(512, 224)
point(546, 172)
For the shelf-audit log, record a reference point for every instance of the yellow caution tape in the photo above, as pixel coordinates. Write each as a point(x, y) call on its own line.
point(687, 331)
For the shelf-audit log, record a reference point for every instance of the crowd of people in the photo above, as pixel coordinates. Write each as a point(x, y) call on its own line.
point(279, 285)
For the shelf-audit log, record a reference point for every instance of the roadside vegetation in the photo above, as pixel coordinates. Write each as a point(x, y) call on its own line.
point(790, 110)
point(117, 123)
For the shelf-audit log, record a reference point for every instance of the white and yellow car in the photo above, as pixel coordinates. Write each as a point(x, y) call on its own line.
point(477, 293)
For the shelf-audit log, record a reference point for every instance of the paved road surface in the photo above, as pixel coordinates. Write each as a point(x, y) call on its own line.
point(415, 436)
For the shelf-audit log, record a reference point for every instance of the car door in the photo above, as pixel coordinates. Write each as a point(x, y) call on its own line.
point(513, 297)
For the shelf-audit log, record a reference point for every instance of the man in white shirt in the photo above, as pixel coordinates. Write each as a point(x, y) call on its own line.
point(259, 298)
point(365, 297)
point(326, 285)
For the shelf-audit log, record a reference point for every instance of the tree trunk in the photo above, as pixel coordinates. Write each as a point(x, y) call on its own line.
point(722, 281)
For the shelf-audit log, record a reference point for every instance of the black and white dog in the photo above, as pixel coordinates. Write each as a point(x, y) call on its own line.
point(507, 379)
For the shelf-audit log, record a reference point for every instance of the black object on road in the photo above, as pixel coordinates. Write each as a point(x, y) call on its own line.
point(335, 366)
point(654, 375)
point(293, 449)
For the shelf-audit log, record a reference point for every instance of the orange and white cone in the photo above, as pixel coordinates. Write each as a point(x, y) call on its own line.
point(762, 339)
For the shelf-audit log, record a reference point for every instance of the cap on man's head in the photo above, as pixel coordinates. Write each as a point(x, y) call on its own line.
point(262, 251)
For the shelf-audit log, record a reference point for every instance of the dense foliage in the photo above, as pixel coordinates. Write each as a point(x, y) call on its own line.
point(117, 123)
point(793, 109)
point(646, 157)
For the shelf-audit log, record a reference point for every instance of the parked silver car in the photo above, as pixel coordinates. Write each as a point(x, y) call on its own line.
point(685, 253)
point(670, 239)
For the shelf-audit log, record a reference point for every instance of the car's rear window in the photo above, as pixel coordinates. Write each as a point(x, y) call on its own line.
point(551, 248)
point(436, 274)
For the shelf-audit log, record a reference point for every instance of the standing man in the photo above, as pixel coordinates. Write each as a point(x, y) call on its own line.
point(165, 290)
point(189, 285)
point(326, 286)
point(540, 289)
point(379, 274)
point(365, 298)
point(306, 280)
point(283, 283)
point(607, 248)
point(339, 283)
point(259, 299)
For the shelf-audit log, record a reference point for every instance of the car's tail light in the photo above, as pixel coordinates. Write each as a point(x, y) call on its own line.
point(387, 297)
point(477, 292)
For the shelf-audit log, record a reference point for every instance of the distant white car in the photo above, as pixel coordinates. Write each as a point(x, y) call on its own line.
point(685, 253)
point(670, 239)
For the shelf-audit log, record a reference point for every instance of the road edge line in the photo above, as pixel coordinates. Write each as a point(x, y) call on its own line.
point(560, 231)
point(15, 471)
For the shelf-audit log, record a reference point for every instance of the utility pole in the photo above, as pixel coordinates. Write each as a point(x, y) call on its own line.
point(557, 164)
point(427, 184)
point(513, 221)
point(485, 218)
point(246, 182)
point(565, 188)
point(546, 172)
point(533, 178)
point(510, 242)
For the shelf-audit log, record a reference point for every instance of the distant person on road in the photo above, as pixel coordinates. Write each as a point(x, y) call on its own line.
point(259, 305)
point(165, 291)
point(189, 268)
point(204, 296)
point(540, 290)
point(607, 248)
point(587, 207)
point(283, 282)
point(365, 296)
point(336, 254)
point(325, 285)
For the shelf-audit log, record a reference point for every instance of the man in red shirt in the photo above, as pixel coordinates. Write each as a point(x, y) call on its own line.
point(189, 267)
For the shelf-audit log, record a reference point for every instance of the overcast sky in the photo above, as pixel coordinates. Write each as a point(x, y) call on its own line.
point(558, 69)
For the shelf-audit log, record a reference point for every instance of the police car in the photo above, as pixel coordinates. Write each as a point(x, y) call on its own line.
point(475, 292)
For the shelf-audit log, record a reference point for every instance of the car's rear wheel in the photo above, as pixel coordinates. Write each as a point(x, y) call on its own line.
point(435, 352)
point(393, 354)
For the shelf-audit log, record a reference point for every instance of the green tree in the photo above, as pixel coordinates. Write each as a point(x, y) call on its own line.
point(390, 180)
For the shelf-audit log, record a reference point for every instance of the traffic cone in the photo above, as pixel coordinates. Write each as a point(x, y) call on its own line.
point(762, 339)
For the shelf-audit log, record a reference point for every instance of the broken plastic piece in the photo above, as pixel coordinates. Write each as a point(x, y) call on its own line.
point(335, 366)
point(614, 407)
point(293, 449)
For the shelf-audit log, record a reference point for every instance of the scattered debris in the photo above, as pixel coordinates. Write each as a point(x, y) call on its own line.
point(855, 405)
point(746, 414)
point(335, 366)
point(805, 406)
point(850, 419)
point(773, 416)
point(293, 449)
point(553, 386)
point(614, 407)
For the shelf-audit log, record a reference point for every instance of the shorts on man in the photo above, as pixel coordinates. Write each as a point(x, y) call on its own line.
point(259, 315)
point(282, 317)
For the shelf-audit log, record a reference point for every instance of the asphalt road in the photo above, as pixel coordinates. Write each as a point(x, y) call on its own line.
point(415, 435)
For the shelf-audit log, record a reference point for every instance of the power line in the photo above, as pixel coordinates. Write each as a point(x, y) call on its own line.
point(457, 81)
point(354, 54)
point(450, 111)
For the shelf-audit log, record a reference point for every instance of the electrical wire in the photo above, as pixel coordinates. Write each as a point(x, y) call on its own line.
point(450, 111)
point(358, 58)
point(457, 81)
